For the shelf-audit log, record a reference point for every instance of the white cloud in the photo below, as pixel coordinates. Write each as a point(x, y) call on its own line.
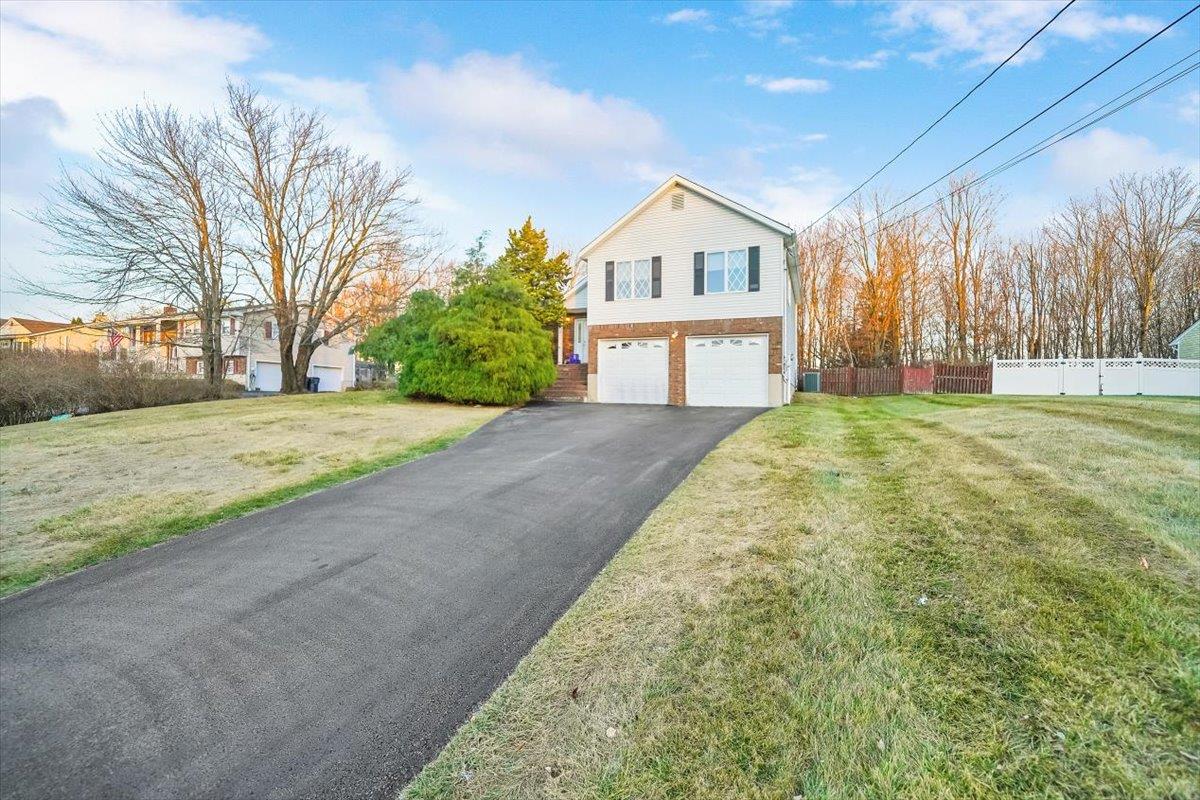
point(788, 85)
point(1091, 159)
point(1189, 107)
point(988, 32)
point(873, 61)
point(90, 58)
point(690, 16)
point(496, 113)
point(356, 122)
point(800, 196)
point(762, 16)
point(767, 8)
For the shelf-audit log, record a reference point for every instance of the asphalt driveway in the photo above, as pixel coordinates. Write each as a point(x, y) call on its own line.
point(329, 647)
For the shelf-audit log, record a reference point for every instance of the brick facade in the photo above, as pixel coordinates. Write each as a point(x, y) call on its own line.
point(677, 332)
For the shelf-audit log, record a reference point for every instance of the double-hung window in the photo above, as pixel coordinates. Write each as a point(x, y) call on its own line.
point(726, 271)
point(632, 279)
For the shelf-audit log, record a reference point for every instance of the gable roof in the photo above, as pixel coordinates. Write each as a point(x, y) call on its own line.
point(703, 191)
point(1175, 342)
point(37, 325)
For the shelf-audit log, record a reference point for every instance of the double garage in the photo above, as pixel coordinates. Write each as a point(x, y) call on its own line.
point(727, 370)
point(268, 377)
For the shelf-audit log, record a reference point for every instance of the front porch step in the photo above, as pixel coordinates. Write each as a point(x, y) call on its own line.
point(571, 384)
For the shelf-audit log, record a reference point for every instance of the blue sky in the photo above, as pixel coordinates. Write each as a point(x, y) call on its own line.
point(571, 112)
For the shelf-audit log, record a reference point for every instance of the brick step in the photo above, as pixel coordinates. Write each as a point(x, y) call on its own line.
point(571, 384)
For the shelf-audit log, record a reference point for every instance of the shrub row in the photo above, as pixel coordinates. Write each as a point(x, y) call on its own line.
point(39, 385)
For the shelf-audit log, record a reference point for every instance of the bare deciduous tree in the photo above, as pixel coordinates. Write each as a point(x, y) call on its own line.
point(321, 218)
point(965, 219)
point(150, 223)
point(1151, 214)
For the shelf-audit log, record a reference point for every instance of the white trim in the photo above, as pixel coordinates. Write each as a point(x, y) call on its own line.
point(679, 180)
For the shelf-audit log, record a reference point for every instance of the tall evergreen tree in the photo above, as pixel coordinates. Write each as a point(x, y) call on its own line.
point(528, 260)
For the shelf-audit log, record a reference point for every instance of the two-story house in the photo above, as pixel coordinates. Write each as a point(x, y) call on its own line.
point(249, 341)
point(690, 299)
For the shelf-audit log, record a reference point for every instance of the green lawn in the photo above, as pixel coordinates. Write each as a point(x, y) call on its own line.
point(902, 597)
point(77, 492)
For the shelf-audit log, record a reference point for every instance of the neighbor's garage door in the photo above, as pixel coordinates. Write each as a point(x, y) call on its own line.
point(268, 377)
point(331, 378)
point(632, 371)
point(727, 370)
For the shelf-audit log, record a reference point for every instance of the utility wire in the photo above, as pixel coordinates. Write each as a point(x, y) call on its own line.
point(945, 114)
point(1041, 113)
point(1076, 127)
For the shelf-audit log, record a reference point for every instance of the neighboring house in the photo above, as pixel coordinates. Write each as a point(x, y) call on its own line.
point(1187, 344)
point(20, 333)
point(249, 338)
point(689, 299)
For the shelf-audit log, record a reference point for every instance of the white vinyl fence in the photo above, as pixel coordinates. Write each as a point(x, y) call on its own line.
point(1095, 376)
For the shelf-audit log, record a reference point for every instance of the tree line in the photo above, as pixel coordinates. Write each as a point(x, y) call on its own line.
point(1109, 275)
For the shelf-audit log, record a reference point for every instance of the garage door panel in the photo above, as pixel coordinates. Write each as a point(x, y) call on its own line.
point(632, 371)
point(727, 370)
point(268, 376)
point(331, 378)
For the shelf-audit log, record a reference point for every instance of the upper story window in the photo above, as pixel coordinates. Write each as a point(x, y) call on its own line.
point(270, 332)
point(726, 271)
point(632, 279)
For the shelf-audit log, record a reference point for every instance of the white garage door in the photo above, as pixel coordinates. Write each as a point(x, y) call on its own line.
point(331, 378)
point(632, 371)
point(727, 370)
point(268, 377)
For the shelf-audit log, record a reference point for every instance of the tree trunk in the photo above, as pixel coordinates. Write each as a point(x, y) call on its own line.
point(211, 352)
point(292, 379)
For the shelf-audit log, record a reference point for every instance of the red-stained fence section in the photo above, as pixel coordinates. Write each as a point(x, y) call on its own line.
point(962, 378)
point(940, 378)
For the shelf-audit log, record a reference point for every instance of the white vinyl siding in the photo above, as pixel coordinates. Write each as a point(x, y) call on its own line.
point(676, 235)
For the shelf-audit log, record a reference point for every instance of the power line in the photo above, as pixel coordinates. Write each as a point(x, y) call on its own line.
point(1041, 113)
point(1048, 141)
point(945, 114)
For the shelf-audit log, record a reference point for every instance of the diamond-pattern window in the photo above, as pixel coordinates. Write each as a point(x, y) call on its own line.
point(727, 271)
point(738, 271)
point(641, 278)
point(623, 279)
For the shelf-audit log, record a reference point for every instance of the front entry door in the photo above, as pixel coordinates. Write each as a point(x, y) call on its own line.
point(579, 339)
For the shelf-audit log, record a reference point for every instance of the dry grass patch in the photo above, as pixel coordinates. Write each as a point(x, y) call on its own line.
point(68, 488)
point(894, 597)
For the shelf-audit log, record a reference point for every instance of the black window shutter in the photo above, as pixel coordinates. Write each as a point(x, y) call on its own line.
point(754, 269)
point(698, 273)
point(608, 279)
point(656, 276)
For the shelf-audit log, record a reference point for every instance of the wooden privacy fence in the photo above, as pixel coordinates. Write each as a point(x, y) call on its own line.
point(962, 378)
point(939, 378)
